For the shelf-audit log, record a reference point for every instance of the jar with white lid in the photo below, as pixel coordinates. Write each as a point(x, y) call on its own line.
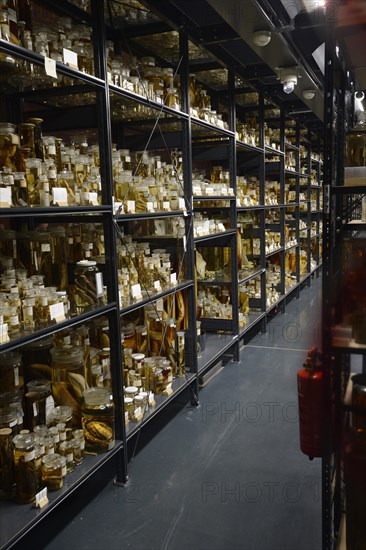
point(53, 471)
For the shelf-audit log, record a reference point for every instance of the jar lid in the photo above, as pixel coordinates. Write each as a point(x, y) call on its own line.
point(86, 263)
point(67, 355)
point(97, 396)
point(131, 389)
point(128, 400)
point(24, 441)
point(138, 356)
point(53, 460)
point(39, 385)
point(138, 398)
point(61, 412)
point(10, 358)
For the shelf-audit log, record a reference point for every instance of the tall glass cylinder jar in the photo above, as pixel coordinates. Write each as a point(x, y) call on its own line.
point(88, 286)
point(25, 468)
point(7, 478)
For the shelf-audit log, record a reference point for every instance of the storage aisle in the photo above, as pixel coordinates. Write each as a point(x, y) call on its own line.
point(228, 474)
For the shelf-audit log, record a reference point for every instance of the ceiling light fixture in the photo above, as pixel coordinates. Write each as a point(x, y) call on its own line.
point(308, 94)
point(288, 77)
point(262, 38)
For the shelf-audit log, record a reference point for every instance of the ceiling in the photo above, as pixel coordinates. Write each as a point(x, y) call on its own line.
point(225, 30)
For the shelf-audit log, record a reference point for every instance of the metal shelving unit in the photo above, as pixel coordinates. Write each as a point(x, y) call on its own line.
point(223, 336)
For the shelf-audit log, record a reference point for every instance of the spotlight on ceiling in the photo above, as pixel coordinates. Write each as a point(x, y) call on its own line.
point(308, 94)
point(262, 38)
point(288, 77)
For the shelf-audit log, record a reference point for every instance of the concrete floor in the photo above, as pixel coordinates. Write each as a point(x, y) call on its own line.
point(225, 475)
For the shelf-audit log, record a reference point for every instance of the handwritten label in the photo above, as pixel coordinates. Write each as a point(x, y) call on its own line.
point(173, 278)
point(59, 196)
point(5, 197)
point(136, 291)
point(99, 284)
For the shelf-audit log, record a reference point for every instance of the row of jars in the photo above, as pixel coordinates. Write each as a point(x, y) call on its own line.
point(200, 105)
point(206, 226)
point(214, 302)
point(42, 171)
point(152, 270)
point(42, 457)
point(248, 132)
point(247, 191)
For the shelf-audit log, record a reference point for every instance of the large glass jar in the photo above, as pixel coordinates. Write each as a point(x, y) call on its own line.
point(9, 142)
point(98, 420)
point(25, 468)
point(7, 479)
point(65, 360)
point(39, 402)
point(88, 286)
point(11, 371)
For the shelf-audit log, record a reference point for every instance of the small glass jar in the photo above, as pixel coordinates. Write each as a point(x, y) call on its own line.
point(25, 468)
point(8, 420)
point(76, 449)
point(129, 336)
point(98, 420)
point(79, 436)
point(131, 391)
point(141, 338)
point(66, 450)
point(53, 471)
point(62, 414)
point(138, 360)
point(66, 359)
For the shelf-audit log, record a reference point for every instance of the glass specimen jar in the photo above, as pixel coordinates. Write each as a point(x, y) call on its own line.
point(53, 471)
point(38, 144)
point(66, 359)
point(66, 450)
point(129, 407)
point(9, 142)
point(79, 436)
point(25, 468)
point(62, 414)
point(9, 419)
point(7, 480)
point(97, 416)
point(128, 336)
point(11, 371)
point(26, 136)
point(88, 286)
point(38, 402)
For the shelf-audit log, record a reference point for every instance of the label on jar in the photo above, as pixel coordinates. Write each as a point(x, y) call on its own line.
point(62, 436)
point(56, 438)
point(52, 174)
point(45, 247)
point(173, 278)
point(14, 320)
point(16, 376)
point(35, 410)
point(166, 205)
point(181, 203)
point(150, 206)
point(82, 444)
point(29, 456)
point(13, 423)
point(99, 284)
point(69, 457)
point(63, 470)
point(5, 197)
point(51, 451)
point(50, 404)
point(51, 149)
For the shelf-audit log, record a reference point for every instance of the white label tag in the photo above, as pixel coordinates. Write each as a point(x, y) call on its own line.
point(70, 58)
point(157, 285)
point(166, 205)
point(138, 411)
point(135, 290)
point(223, 190)
point(45, 247)
point(57, 312)
point(5, 197)
point(50, 404)
point(173, 278)
point(181, 203)
point(16, 376)
point(59, 195)
point(131, 207)
point(160, 305)
point(35, 409)
point(93, 198)
point(99, 284)
point(50, 67)
point(209, 190)
point(150, 207)
point(196, 190)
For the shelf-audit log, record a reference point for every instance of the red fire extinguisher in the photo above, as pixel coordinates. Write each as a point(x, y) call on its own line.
point(310, 396)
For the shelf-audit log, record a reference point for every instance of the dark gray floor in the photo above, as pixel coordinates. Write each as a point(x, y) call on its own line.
point(228, 474)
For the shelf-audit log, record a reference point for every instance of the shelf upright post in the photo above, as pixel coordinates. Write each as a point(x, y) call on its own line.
point(191, 338)
point(329, 112)
point(282, 201)
point(262, 212)
point(233, 211)
point(297, 208)
point(105, 145)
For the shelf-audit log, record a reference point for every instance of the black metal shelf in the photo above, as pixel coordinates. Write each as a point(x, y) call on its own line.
point(249, 276)
point(18, 519)
point(151, 215)
point(152, 297)
point(247, 147)
point(216, 346)
point(56, 211)
point(211, 127)
point(161, 400)
point(254, 318)
point(25, 338)
point(216, 236)
point(271, 150)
